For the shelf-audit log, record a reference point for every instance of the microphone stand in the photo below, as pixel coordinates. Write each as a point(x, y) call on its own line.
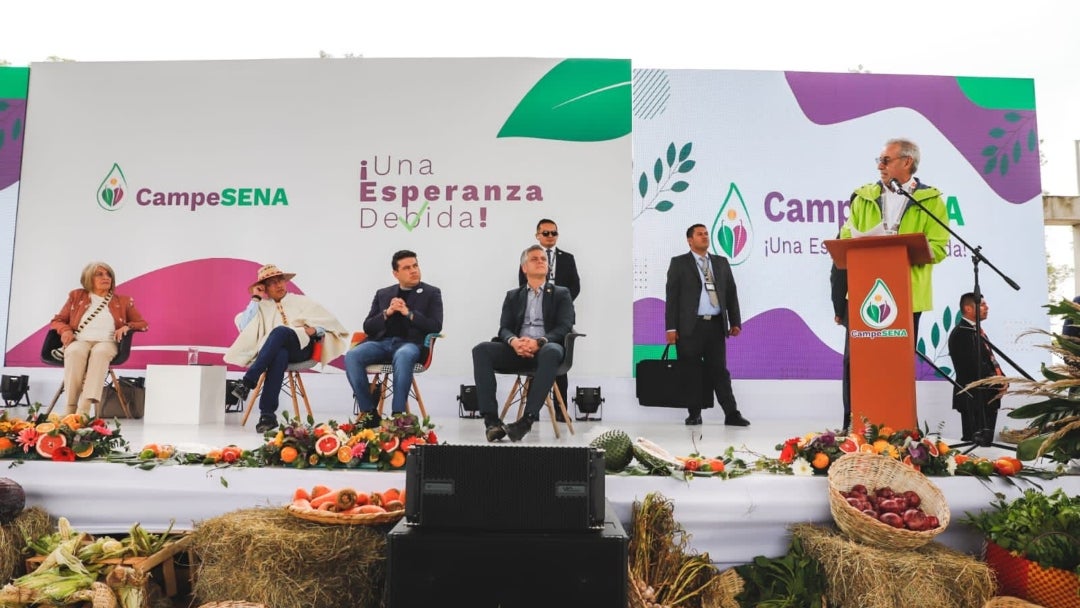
point(983, 437)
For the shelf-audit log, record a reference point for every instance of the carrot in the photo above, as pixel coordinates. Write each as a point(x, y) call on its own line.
point(391, 494)
point(301, 503)
point(301, 493)
point(371, 509)
point(319, 490)
point(327, 506)
point(394, 505)
point(324, 498)
point(375, 498)
point(346, 499)
point(362, 499)
point(352, 511)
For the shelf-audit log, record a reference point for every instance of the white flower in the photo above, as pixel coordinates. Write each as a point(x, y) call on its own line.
point(800, 466)
point(950, 464)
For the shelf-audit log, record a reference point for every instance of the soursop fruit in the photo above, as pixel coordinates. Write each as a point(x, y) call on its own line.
point(617, 449)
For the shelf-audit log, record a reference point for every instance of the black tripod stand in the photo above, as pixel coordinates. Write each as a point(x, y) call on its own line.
point(984, 436)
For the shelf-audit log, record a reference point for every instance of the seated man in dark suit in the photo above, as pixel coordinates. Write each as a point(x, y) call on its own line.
point(973, 359)
point(535, 320)
point(401, 316)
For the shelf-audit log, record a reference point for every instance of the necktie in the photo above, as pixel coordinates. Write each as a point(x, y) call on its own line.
point(551, 266)
point(710, 286)
point(281, 311)
point(990, 352)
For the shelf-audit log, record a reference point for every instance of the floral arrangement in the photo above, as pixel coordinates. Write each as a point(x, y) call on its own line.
point(58, 438)
point(814, 453)
point(349, 445)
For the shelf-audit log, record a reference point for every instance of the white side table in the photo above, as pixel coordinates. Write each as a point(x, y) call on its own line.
point(185, 394)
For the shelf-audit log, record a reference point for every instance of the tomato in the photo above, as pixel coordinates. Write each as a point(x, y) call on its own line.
point(692, 464)
point(716, 465)
point(1005, 467)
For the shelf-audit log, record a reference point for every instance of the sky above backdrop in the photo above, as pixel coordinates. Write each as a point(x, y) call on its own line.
point(1036, 39)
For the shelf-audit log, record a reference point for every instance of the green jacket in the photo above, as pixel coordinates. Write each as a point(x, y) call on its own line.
point(865, 213)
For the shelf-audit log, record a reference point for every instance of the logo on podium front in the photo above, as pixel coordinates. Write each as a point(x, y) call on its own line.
point(878, 310)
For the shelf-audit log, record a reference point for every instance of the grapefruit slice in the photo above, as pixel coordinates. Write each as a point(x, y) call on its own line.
point(390, 446)
point(848, 446)
point(85, 450)
point(45, 427)
point(327, 445)
point(47, 444)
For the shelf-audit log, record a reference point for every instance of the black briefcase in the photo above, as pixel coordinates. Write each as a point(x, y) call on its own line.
point(667, 382)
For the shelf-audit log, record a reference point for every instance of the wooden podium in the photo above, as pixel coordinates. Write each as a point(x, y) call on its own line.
point(880, 325)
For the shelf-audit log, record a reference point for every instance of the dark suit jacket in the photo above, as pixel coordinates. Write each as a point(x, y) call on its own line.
point(558, 313)
point(565, 273)
point(968, 359)
point(425, 304)
point(838, 285)
point(684, 292)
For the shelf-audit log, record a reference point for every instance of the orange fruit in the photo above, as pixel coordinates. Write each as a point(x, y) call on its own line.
point(86, 452)
point(715, 464)
point(344, 454)
point(821, 460)
point(72, 421)
point(46, 427)
point(289, 454)
point(398, 459)
point(6, 444)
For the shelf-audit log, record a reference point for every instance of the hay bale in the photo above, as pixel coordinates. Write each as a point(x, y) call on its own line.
point(267, 556)
point(30, 524)
point(931, 576)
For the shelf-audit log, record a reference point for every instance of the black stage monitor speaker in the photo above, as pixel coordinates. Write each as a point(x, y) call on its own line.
point(505, 487)
point(507, 569)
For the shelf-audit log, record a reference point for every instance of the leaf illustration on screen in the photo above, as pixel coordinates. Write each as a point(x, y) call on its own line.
point(1009, 142)
point(667, 175)
point(577, 100)
point(112, 189)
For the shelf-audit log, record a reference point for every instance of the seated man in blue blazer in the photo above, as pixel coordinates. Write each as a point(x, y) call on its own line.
point(400, 316)
point(536, 318)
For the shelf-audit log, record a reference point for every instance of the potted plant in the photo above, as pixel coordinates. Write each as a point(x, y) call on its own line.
point(1033, 545)
point(1056, 419)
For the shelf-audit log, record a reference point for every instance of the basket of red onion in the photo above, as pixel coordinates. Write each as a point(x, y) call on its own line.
point(882, 502)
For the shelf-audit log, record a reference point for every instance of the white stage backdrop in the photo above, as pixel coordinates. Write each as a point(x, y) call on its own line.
point(768, 161)
point(187, 176)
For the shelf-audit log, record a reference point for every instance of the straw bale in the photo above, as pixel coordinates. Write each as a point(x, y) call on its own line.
point(267, 556)
point(931, 576)
point(31, 523)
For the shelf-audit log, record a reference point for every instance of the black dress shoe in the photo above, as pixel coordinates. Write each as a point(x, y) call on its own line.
point(736, 420)
point(266, 423)
point(693, 420)
point(516, 430)
point(240, 391)
point(495, 430)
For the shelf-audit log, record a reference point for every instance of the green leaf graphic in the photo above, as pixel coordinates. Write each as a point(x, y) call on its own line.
point(1032, 140)
point(107, 196)
point(990, 164)
point(687, 166)
point(873, 313)
point(16, 129)
point(921, 346)
point(4, 106)
point(944, 373)
point(679, 186)
point(946, 319)
point(671, 154)
point(658, 171)
point(989, 150)
point(997, 132)
point(643, 184)
point(1012, 117)
point(578, 100)
point(1, 138)
point(664, 206)
point(1016, 151)
point(726, 238)
point(935, 335)
point(1003, 166)
point(684, 153)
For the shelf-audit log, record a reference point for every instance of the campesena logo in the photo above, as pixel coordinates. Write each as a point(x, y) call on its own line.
point(110, 194)
point(878, 310)
point(732, 230)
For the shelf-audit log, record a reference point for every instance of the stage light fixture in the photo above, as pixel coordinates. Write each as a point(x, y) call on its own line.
point(468, 407)
point(587, 402)
point(14, 389)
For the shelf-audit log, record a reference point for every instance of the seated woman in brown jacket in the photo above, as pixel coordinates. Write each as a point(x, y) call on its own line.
point(90, 334)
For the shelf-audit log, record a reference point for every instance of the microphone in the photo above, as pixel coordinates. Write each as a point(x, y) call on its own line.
point(895, 183)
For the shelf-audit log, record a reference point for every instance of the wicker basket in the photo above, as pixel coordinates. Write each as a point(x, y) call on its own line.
point(874, 471)
point(329, 517)
point(1015, 436)
point(1005, 601)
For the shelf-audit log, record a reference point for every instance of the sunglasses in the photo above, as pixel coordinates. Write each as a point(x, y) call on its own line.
point(550, 233)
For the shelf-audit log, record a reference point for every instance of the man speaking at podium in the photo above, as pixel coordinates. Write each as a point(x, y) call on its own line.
point(878, 209)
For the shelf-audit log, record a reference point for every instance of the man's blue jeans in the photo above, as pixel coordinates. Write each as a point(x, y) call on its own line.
point(401, 353)
point(281, 348)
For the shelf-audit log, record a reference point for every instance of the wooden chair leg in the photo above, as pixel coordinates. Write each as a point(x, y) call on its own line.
point(551, 412)
point(522, 396)
point(251, 400)
point(292, 376)
point(303, 394)
point(562, 407)
point(55, 398)
point(510, 397)
point(119, 395)
point(384, 390)
point(419, 400)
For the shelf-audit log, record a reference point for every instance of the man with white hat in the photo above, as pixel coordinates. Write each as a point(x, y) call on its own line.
point(278, 328)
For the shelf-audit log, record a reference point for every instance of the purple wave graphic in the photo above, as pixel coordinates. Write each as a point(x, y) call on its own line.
point(832, 98)
point(775, 345)
point(12, 122)
point(190, 303)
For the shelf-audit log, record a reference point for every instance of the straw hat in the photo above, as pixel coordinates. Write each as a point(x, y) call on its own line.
point(270, 271)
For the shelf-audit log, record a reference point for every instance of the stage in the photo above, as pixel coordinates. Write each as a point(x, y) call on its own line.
point(732, 520)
